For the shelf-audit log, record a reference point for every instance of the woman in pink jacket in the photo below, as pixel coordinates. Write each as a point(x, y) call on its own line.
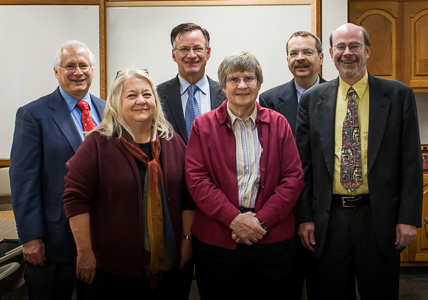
point(244, 174)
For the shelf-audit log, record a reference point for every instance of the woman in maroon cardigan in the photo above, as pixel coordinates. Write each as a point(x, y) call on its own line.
point(126, 198)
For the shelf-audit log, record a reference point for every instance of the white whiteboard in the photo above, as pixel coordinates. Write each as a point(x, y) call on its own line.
point(30, 37)
point(140, 37)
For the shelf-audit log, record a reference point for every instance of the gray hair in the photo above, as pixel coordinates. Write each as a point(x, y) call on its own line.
point(239, 62)
point(70, 44)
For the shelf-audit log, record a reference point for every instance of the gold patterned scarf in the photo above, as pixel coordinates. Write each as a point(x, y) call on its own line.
point(161, 241)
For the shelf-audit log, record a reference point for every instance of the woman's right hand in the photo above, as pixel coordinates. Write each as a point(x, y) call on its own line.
point(85, 266)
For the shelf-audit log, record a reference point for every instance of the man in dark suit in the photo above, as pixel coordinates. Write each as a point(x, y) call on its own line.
point(358, 137)
point(190, 50)
point(48, 131)
point(304, 57)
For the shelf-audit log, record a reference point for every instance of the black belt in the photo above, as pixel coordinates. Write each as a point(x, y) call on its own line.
point(245, 209)
point(351, 201)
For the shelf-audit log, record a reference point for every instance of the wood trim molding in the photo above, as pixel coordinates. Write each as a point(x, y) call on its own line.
point(49, 2)
point(103, 49)
point(112, 3)
point(4, 162)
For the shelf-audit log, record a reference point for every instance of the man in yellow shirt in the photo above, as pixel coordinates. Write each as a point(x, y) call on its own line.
point(358, 137)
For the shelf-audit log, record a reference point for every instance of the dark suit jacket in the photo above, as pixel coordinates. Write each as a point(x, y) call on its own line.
point(45, 138)
point(169, 94)
point(394, 162)
point(283, 99)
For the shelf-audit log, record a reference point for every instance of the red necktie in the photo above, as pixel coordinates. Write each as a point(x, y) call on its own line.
point(87, 123)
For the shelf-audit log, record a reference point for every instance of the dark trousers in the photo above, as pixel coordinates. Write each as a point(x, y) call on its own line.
point(177, 283)
point(260, 271)
point(50, 282)
point(351, 252)
point(108, 286)
point(304, 269)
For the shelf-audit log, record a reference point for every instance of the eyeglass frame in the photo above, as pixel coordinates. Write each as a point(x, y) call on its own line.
point(252, 82)
point(84, 69)
point(359, 45)
point(312, 52)
point(144, 71)
point(196, 49)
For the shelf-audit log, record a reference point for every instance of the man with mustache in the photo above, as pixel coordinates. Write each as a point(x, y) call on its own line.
point(191, 92)
point(358, 139)
point(48, 131)
point(304, 57)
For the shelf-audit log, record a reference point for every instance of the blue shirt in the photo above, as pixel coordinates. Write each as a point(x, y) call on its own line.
point(300, 90)
point(76, 113)
point(202, 94)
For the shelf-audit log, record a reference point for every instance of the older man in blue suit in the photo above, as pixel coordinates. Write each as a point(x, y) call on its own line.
point(48, 131)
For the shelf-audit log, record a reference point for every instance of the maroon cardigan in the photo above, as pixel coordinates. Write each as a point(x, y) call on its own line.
point(103, 180)
point(212, 177)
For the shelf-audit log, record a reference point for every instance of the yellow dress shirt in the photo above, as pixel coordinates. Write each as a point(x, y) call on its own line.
point(362, 90)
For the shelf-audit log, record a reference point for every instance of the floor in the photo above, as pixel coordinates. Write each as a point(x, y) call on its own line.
point(413, 286)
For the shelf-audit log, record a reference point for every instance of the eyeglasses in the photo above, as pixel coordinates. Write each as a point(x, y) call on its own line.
point(305, 52)
point(248, 79)
point(142, 70)
point(353, 47)
point(72, 68)
point(186, 50)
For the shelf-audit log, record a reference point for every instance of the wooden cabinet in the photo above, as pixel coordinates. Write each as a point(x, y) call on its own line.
point(399, 36)
point(417, 252)
point(398, 33)
point(416, 41)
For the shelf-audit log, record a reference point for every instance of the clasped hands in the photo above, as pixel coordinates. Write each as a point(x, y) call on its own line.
point(246, 229)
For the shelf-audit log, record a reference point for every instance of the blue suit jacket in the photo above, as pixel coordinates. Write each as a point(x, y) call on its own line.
point(45, 138)
point(283, 99)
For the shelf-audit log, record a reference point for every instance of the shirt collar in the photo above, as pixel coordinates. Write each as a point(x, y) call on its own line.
point(71, 101)
point(252, 117)
point(203, 85)
point(300, 90)
point(360, 87)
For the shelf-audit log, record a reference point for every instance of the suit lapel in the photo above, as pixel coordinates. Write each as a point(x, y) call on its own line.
point(216, 94)
point(98, 107)
point(378, 118)
point(288, 105)
point(64, 120)
point(173, 100)
point(326, 108)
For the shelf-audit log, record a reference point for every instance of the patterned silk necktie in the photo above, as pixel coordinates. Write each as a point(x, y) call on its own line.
point(192, 108)
point(87, 123)
point(350, 162)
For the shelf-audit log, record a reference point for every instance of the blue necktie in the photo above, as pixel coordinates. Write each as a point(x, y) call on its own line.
point(192, 108)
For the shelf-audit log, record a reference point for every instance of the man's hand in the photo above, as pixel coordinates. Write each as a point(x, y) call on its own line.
point(405, 235)
point(34, 252)
point(307, 235)
point(246, 229)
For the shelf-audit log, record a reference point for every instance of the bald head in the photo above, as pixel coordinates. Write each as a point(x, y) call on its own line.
point(350, 49)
